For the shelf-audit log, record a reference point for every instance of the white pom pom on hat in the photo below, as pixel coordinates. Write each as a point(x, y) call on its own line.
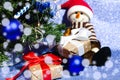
point(77, 5)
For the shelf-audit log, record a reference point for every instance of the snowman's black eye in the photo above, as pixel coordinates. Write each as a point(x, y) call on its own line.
point(76, 12)
point(81, 13)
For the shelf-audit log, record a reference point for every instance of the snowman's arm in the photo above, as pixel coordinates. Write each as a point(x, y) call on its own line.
point(95, 44)
point(90, 27)
point(67, 32)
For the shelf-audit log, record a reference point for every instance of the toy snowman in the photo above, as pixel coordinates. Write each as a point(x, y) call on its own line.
point(79, 14)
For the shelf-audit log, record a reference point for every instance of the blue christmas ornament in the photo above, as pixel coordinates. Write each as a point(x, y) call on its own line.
point(46, 5)
point(75, 64)
point(13, 31)
point(37, 4)
point(41, 6)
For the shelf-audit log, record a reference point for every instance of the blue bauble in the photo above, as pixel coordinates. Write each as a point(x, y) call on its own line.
point(75, 64)
point(13, 31)
point(42, 6)
point(46, 5)
point(37, 4)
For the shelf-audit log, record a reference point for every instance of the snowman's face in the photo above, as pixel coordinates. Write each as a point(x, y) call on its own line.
point(79, 17)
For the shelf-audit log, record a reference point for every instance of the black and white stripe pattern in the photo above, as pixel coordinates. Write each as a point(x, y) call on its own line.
point(86, 25)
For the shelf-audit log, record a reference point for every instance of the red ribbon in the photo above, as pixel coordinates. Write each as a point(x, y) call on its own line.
point(33, 59)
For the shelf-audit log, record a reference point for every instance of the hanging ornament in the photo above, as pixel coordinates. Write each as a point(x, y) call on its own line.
point(22, 11)
point(38, 35)
point(46, 5)
point(42, 6)
point(75, 64)
point(13, 30)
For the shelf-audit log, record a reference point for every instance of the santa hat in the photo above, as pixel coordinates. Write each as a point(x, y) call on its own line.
point(77, 5)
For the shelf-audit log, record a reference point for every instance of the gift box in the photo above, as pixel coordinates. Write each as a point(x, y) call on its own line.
point(43, 67)
point(53, 72)
point(76, 47)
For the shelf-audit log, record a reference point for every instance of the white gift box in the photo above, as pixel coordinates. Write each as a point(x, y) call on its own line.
point(78, 42)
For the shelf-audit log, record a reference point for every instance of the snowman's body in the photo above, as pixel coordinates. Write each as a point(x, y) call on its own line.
point(82, 28)
point(78, 19)
point(78, 28)
point(79, 14)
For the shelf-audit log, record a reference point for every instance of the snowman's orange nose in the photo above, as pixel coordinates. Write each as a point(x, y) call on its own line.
point(78, 15)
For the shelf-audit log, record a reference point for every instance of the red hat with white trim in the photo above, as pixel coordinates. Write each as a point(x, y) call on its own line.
point(77, 5)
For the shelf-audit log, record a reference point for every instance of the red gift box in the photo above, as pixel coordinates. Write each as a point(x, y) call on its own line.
point(34, 60)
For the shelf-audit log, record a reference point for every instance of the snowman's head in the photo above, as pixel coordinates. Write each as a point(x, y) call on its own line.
point(79, 16)
point(78, 10)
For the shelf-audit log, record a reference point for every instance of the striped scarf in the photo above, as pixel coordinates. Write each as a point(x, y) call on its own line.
point(86, 25)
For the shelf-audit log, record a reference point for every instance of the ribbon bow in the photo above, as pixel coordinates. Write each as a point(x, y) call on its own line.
point(33, 59)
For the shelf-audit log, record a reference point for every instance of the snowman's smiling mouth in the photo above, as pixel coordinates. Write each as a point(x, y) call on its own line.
point(82, 20)
point(79, 20)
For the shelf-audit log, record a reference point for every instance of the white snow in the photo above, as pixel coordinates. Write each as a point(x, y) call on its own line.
point(27, 74)
point(106, 24)
point(77, 62)
point(21, 27)
point(17, 60)
point(85, 62)
point(3, 15)
point(7, 53)
point(4, 33)
point(5, 22)
point(5, 70)
point(66, 74)
point(5, 44)
point(50, 39)
point(13, 25)
point(87, 75)
point(8, 6)
point(48, 72)
point(94, 68)
point(116, 61)
point(43, 31)
point(81, 73)
point(27, 16)
point(27, 3)
point(109, 64)
point(17, 37)
point(36, 46)
point(74, 74)
point(4, 63)
point(34, 11)
point(65, 61)
point(46, 18)
point(27, 31)
point(20, 3)
point(48, 60)
point(104, 75)
point(97, 75)
point(18, 47)
point(115, 71)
